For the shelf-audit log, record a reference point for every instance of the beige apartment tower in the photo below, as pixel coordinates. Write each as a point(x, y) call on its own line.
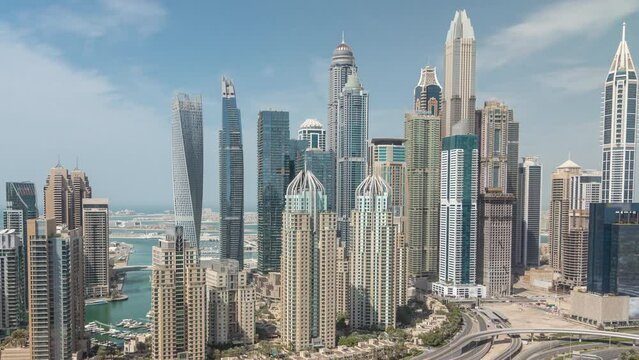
point(372, 257)
point(56, 291)
point(559, 210)
point(308, 266)
point(58, 196)
point(64, 194)
point(423, 148)
point(178, 300)
point(95, 217)
point(81, 190)
point(585, 189)
point(387, 159)
point(494, 243)
point(230, 303)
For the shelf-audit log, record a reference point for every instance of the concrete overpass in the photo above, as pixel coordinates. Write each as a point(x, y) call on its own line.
point(460, 344)
point(579, 332)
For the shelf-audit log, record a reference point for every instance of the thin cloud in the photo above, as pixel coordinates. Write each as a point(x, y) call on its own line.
point(551, 25)
point(141, 17)
point(573, 80)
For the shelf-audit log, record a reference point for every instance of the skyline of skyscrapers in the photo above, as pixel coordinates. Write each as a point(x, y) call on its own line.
point(449, 207)
point(187, 151)
point(231, 173)
point(618, 127)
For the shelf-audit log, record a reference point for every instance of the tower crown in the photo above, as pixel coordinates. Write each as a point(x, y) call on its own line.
point(460, 27)
point(343, 54)
point(622, 59)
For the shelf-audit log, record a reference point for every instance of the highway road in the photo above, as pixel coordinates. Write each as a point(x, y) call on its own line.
point(453, 346)
point(609, 353)
point(548, 354)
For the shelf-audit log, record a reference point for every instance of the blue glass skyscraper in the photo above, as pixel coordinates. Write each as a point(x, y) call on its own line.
point(187, 165)
point(231, 177)
point(273, 139)
point(613, 248)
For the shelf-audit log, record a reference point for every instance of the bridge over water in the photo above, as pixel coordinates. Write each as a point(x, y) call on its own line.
point(129, 268)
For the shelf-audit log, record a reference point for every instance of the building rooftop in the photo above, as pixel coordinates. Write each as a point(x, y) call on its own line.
point(568, 164)
point(460, 27)
point(311, 124)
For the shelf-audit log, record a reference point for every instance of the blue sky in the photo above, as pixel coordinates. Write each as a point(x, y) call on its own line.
point(94, 79)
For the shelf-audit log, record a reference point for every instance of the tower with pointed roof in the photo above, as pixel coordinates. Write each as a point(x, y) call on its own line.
point(619, 127)
point(459, 77)
point(342, 65)
point(372, 257)
point(428, 92)
point(352, 135)
point(308, 266)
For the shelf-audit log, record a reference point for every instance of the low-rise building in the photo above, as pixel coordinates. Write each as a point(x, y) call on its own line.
point(596, 309)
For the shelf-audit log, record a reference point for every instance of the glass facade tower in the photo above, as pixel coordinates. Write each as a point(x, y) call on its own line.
point(187, 164)
point(273, 139)
point(231, 177)
point(351, 148)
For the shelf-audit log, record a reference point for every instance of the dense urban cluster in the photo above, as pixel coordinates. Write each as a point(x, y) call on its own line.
point(352, 232)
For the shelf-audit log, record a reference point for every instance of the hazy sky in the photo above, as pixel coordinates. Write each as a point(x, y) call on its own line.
point(94, 79)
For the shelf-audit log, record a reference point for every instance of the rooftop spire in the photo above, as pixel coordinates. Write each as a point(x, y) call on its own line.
point(622, 59)
point(344, 42)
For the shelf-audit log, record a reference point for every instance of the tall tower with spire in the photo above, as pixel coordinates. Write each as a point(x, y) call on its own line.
point(459, 77)
point(619, 127)
point(342, 65)
point(352, 135)
point(231, 167)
